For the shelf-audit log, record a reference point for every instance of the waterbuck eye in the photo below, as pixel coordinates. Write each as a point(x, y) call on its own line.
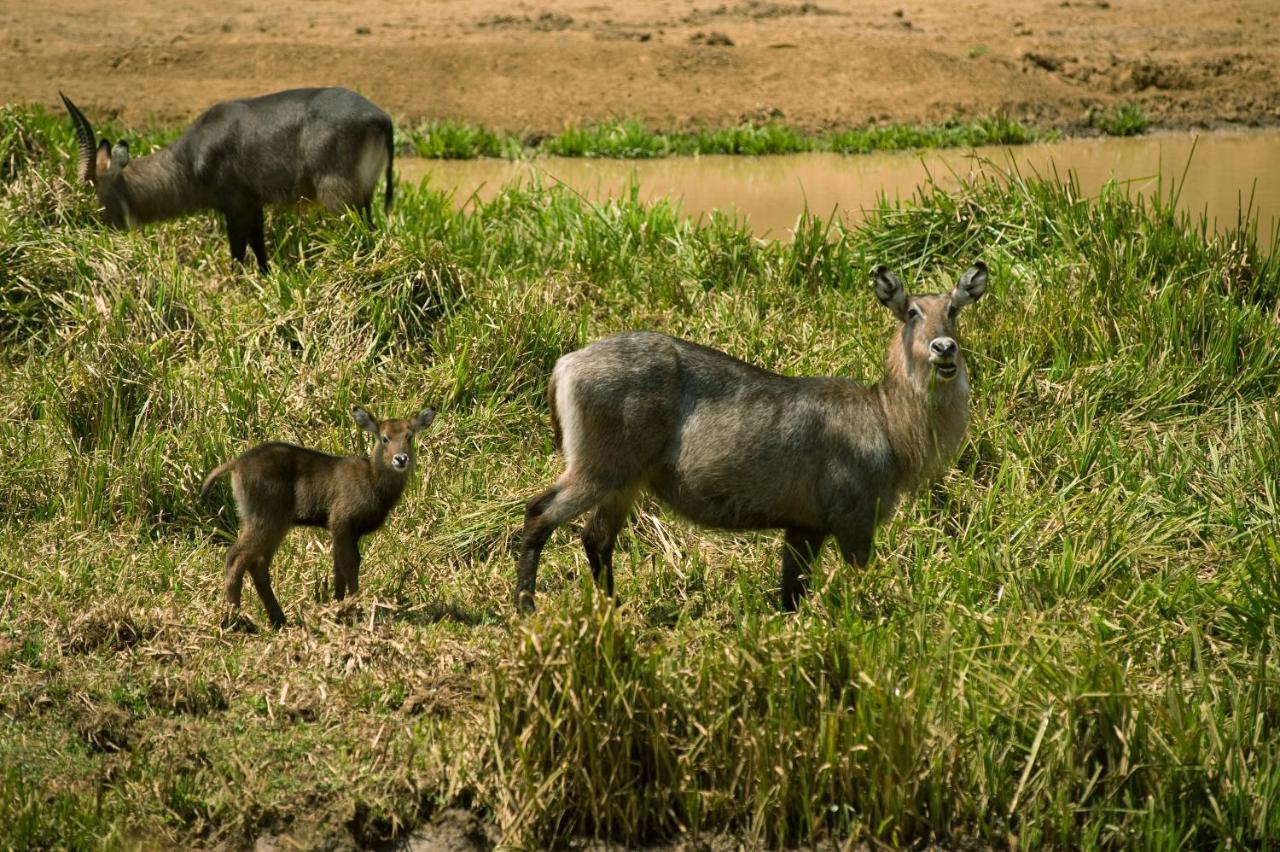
point(913, 313)
point(386, 440)
point(951, 311)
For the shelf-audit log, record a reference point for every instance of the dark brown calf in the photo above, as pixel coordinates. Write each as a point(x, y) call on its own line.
point(278, 486)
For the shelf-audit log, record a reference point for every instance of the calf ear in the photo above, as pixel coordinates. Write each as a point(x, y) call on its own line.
point(104, 157)
point(890, 292)
point(971, 287)
point(423, 420)
point(364, 419)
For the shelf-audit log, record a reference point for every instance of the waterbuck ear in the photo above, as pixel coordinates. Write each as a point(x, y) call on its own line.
point(120, 155)
point(423, 420)
point(364, 419)
point(890, 292)
point(104, 157)
point(971, 287)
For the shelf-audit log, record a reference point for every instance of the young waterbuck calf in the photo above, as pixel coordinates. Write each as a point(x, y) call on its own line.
point(325, 145)
point(279, 486)
point(730, 445)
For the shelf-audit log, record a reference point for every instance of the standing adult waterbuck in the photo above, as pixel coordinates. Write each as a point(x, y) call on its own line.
point(325, 145)
point(730, 445)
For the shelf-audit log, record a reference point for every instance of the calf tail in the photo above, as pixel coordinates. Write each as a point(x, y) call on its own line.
point(213, 475)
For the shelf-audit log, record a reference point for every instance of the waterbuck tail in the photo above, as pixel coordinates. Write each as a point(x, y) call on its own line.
point(391, 182)
point(556, 431)
point(213, 475)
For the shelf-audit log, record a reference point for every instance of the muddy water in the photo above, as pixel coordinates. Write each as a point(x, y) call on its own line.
point(771, 192)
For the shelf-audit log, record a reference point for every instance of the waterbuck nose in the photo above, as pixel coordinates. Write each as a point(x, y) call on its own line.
point(401, 459)
point(943, 347)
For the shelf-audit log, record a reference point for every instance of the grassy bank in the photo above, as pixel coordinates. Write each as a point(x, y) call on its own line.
point(1068, 642)
point(452, 140)
point(633, 140)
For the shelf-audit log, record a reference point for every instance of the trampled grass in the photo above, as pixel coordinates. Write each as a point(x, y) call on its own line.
point(1069, 641)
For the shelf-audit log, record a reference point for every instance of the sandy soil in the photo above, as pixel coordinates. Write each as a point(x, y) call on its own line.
point(537, 66)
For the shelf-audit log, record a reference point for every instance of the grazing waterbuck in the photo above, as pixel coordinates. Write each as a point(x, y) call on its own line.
point(325, 145)
point(729, 445)
point(278, 486)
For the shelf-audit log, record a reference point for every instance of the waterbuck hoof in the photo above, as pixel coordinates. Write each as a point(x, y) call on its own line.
point(233, 621)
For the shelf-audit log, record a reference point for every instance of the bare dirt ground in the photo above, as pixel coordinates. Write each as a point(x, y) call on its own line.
point(537, 66)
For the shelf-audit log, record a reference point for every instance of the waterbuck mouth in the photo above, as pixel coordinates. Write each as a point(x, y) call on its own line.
point(946, 370)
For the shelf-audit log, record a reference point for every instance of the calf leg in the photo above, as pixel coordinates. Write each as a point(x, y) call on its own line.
point(257, 547)
point(799, 548)
point(600, 533)
point(560, 503)
point(235, 574)
point(346, 562)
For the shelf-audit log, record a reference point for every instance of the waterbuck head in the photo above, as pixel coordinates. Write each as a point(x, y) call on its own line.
point(102, 166)
point(394, 448)
point(927, 353)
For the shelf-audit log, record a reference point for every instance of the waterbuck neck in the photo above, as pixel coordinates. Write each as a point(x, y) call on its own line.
point(158, 186)
point(388, 483)
point(925, 417)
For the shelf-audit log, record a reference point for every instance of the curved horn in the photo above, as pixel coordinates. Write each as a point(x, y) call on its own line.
point(87, 172)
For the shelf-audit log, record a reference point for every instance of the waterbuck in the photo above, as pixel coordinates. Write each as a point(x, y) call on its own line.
point(278, 486)
point(729, 445)
point(325, 145)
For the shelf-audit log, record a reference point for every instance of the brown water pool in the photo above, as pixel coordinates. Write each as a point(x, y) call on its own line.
point(1218, 173)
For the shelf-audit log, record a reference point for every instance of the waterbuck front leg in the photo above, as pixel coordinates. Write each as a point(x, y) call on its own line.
point(800, 548)
point(854, 539)
point(258, 238)
point(245, 224)
point(346, 562)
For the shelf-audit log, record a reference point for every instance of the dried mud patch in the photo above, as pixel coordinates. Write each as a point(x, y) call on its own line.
point(186, 693)
point(110, 628)
point(105, 727)
point(756, 10)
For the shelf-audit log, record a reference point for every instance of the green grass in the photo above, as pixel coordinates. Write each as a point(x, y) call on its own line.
point(633, 140)
point(1068, 642)
point(1120, 120)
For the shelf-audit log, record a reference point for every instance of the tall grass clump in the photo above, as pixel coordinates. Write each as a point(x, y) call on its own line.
point(1066, 642)
point(1120, 120)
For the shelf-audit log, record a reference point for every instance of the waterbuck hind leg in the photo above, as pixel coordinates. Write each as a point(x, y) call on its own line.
point(560, 503)
point(235, 575)
point(258, 569)
point(259, 546)
point(599, 535)
point(800, 548)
